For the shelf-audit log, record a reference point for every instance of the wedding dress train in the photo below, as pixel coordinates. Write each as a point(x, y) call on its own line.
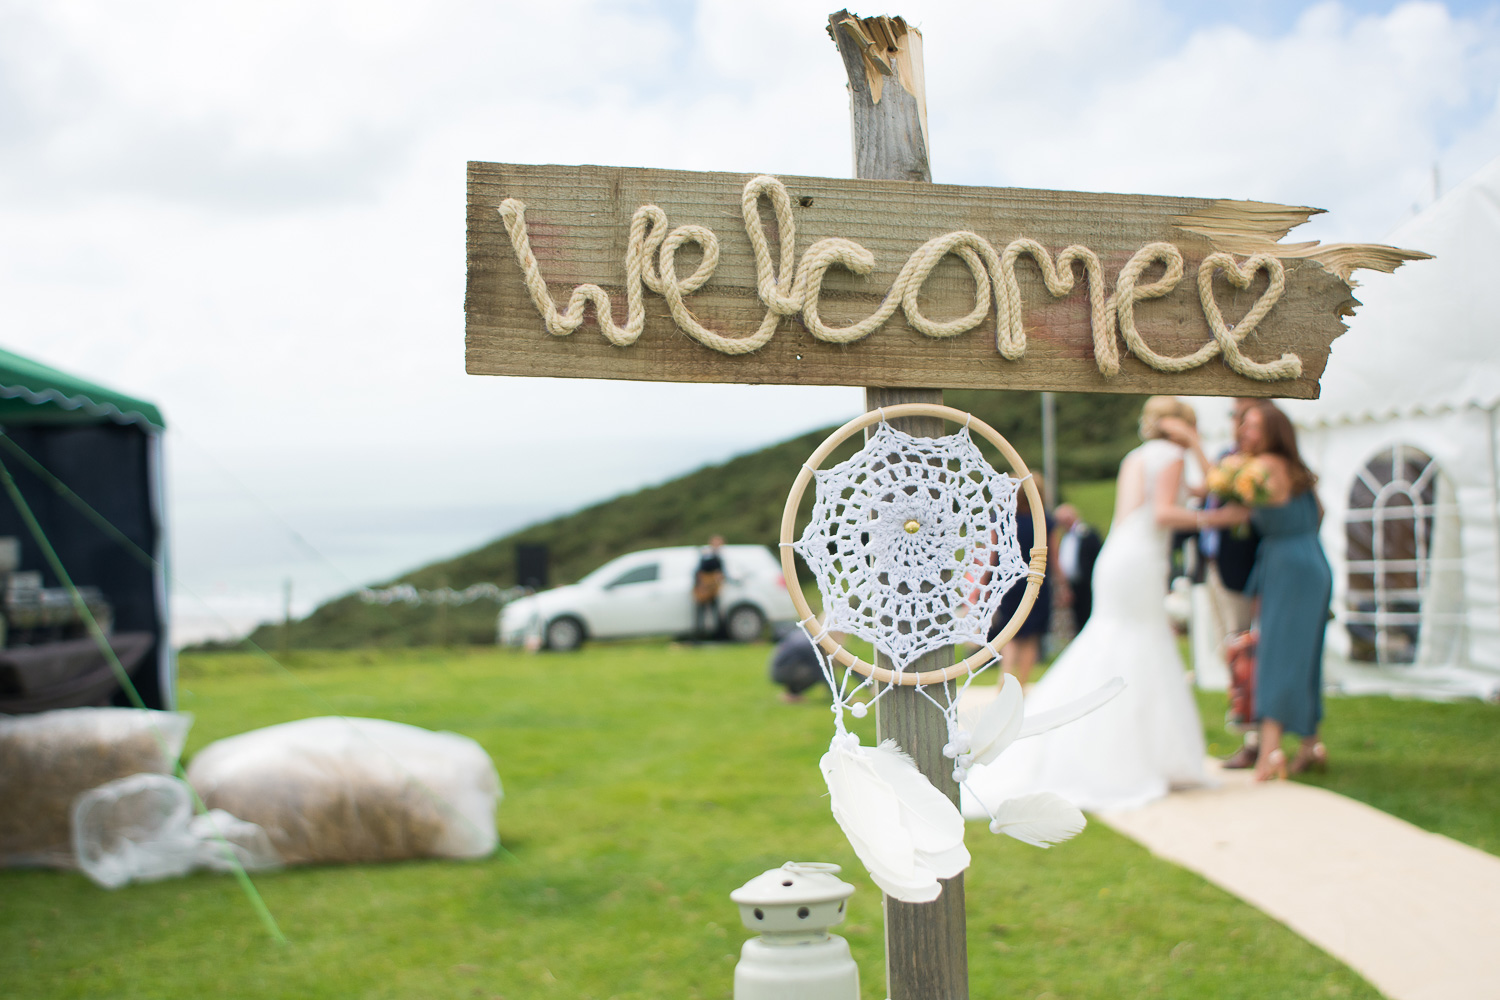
point(1148, 739)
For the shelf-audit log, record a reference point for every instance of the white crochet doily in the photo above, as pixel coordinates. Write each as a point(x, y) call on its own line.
point(912, 543)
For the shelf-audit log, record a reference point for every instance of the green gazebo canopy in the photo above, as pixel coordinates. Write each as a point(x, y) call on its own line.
point(32, 393)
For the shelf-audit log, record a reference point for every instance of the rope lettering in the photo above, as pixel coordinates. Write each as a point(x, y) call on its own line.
point(787, 287)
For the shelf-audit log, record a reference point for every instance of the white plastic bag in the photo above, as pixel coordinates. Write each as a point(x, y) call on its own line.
point(48, 759)
point(341, 789)
point(142, 828)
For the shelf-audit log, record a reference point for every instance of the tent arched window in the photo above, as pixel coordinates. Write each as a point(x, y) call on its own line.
point(1398, 509)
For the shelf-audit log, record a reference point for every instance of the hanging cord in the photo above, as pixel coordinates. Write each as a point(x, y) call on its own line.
point(958, 737)
point(307, 547)
point(843, 694)
point(102, 641)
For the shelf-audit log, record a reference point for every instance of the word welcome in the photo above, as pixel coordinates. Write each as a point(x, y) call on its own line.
point(791, 287)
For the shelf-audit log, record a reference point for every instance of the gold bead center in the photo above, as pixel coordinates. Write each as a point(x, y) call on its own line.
point(913, 526)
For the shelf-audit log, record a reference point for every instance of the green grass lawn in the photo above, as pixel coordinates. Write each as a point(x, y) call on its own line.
point(643, 783)
point(1095, 500)
point(1433, 764)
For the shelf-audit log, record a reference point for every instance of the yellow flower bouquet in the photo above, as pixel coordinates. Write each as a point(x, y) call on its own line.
point(1241, 479)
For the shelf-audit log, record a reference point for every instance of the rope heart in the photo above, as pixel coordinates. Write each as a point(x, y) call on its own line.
point(1227, 339)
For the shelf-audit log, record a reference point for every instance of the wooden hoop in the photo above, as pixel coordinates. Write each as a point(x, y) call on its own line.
point(1035, 575)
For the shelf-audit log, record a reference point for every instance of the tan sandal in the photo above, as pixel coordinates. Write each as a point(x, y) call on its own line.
point(1312, 757)
point(1271, 766)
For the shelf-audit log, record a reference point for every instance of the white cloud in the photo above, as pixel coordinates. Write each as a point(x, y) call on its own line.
point(1344, 112)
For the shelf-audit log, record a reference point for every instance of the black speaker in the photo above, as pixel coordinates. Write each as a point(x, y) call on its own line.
point(531, 566)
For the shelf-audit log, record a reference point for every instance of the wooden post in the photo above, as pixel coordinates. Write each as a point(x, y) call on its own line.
point(926, 956)
point(286, 620)
point(1049, 449)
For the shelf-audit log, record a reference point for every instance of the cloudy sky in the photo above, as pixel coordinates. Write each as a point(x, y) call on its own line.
point(252, 214)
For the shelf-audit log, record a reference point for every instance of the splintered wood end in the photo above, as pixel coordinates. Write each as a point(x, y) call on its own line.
point(1251, 227)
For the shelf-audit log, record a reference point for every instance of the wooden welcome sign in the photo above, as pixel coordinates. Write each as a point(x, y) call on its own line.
point(904, 287)
point(663, 275)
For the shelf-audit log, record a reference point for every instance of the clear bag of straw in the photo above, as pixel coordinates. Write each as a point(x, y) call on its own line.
point(337, 789)
point(48, 759)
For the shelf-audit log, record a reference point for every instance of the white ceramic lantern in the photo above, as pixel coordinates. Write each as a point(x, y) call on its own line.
point(795, 958)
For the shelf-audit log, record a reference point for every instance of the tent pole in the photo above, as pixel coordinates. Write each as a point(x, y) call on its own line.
point(166, 656)
point(1493, 409)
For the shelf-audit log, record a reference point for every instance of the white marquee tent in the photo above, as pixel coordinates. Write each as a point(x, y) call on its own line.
point(1406, 444)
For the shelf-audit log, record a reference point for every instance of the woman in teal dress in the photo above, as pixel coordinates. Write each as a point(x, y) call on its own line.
point(1293, 584)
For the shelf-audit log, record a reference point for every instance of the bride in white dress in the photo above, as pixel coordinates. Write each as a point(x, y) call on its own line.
point(1148, 739)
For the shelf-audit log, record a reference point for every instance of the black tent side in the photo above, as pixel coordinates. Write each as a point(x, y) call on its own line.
point(111, 467)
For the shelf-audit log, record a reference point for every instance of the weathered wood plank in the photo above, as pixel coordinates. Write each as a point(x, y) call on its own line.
point(579, 219)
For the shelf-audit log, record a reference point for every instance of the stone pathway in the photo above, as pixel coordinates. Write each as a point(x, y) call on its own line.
point(1415, 913)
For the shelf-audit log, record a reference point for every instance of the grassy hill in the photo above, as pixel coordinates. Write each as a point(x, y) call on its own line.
point(740, 499)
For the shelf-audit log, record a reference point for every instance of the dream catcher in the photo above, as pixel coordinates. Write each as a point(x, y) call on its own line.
point(912, 545)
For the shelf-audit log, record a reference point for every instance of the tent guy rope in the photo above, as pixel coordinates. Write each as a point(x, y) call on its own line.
point(788, 287)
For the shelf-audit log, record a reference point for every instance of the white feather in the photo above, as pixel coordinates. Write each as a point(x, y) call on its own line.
point(866, 810)
point(905, 832)
point(999, 723)
point(934, 823)
point(1041, 820)
point(1075, 709)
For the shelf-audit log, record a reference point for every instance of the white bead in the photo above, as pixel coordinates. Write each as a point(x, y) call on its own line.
point(859, 710)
